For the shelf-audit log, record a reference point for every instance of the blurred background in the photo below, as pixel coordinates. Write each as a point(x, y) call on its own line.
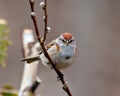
point(95, 25)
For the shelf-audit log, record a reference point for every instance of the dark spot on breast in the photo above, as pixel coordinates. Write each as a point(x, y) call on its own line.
point(67, 57)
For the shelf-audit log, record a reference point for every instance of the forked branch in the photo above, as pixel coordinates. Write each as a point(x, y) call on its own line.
point(42, 40)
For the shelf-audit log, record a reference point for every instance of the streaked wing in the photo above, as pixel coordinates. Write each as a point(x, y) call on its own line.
point(48, 46)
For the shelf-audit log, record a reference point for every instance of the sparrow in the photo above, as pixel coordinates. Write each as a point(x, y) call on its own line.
point(62, 51)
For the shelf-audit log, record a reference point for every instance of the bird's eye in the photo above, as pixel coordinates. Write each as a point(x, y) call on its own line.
point(63, 40)
point(71, 40)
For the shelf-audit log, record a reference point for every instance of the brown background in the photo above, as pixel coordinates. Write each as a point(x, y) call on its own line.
point(96, 26)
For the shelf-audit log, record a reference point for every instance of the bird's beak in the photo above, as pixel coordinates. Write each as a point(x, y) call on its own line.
point(67, 42)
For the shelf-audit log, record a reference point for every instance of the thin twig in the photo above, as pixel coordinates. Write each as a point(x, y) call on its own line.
point(34, 20)
point(45, 21)
point(60, 75)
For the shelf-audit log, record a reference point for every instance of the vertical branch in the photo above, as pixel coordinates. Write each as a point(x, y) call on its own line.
point(30, 70)
point(33, 16)
point(45, 21)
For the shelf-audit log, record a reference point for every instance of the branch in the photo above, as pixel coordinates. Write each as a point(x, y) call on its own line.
point(35, 84)
point(33, 16)
point(44, 6)
point(30, 90)
point(60, 75)
point(30, 70)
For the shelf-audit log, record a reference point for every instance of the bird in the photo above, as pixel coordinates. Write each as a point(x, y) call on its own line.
point(61, 50)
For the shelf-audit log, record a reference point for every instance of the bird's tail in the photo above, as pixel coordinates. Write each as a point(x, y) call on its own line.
point(31, 59)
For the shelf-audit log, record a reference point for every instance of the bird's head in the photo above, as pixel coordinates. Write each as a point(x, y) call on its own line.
point(66, 38)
